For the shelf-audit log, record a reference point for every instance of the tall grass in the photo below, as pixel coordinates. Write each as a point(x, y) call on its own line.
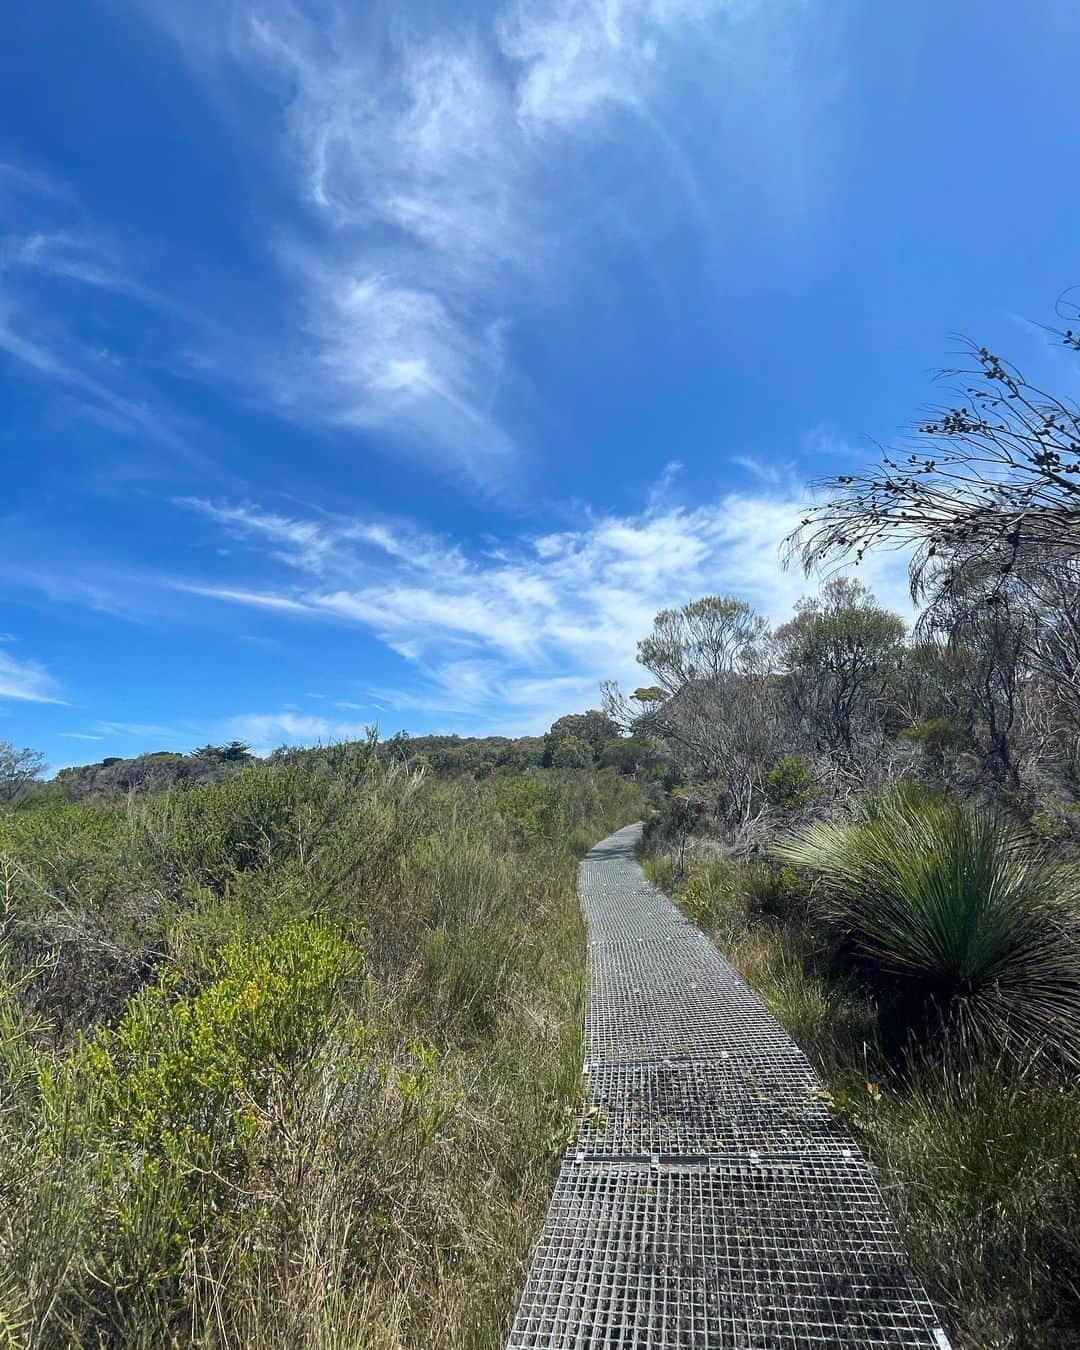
point(287, 1059)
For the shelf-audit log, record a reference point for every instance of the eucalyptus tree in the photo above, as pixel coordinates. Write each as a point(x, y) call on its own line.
point(714, 700)
point(988, 504)
point(839, 654)
point(593, 729)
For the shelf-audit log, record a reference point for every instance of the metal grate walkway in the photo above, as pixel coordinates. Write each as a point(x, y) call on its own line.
point(709, 1199)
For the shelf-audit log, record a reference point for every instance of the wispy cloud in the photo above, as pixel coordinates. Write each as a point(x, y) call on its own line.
point(26, 681)
point(138, 730)
point(57, 342)
point(20, 182)
point(423, 156)
point(263, 731)
point(763, 470)
point(580, 58)
point(522, 631)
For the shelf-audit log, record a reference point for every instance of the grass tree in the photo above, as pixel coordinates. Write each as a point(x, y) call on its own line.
point(952, 907)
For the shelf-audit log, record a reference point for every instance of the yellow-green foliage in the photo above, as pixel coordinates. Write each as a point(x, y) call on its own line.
point(188, 1075)
point(789, 784)
point(328, 1053)
point(531, 808)
point(181, 1099)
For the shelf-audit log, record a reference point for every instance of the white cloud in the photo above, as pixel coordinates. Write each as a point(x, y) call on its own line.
point(264, 731)
point(514, 636)
point(580, 57)
point(392, 357)
point(26, 681)
point(422, 153)
point(763, 470)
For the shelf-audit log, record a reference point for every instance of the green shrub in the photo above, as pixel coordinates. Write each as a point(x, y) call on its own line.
point(162, 1124)
point(881, 801)
point(633, 754)
point(240, 824)
point(937, 737)
point(571, 753)
point(255, 1142)
point(789, 784)
point(1056, 819)
point(710, 894)
point(956, 912)
point(531, 808)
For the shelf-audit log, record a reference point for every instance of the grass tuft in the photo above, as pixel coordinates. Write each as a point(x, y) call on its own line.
point(955, 910)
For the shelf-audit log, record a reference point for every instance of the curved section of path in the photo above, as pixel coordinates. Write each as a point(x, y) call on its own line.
point(709, 1199)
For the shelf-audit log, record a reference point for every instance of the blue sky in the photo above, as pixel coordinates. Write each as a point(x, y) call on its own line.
point(395, 363)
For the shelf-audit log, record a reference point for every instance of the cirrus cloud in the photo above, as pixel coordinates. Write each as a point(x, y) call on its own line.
point(26, 681)
point(512, 635)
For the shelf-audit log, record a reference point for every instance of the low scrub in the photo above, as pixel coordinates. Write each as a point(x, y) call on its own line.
point(288, 1059)
point(975, 1150)
point(981, 1169)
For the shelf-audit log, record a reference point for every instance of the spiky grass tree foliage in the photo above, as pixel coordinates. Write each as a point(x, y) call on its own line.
point(954, 908)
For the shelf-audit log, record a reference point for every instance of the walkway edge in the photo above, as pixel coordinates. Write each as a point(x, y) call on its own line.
point(708, 1198)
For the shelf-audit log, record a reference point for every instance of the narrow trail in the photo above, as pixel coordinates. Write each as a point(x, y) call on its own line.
point(709, 1199)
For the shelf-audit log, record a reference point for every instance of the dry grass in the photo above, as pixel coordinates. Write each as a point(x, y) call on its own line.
point(331, 1057)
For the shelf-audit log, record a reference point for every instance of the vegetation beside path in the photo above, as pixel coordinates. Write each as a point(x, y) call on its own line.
point(924, 954)
point(287, 1058)
point(288, 1049)
point(879, 822)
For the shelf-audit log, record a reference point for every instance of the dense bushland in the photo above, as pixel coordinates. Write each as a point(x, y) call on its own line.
point(286, 1058)
point(288, 1048)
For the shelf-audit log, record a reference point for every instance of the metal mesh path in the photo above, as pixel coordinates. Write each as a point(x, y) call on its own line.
point(708, 1199)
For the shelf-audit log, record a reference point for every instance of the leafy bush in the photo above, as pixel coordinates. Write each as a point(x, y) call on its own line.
point(935, 735)
point(953, 907)
point(571, 752)
point(177, 1097)
point(673, 823)
point(633, 754)
point(531, 808)
point(789, 784)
